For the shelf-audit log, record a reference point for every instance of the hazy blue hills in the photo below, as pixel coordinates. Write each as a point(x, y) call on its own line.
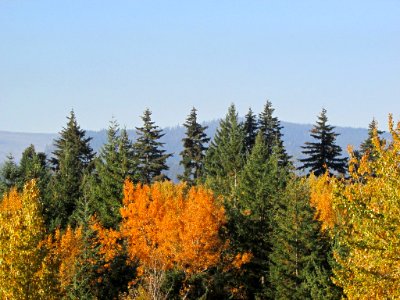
point(295, 135)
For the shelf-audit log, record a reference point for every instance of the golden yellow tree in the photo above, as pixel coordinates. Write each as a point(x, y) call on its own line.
point(21, 231)
point(363, 215)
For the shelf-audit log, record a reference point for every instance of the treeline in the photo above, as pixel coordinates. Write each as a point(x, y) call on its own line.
point(241, 224)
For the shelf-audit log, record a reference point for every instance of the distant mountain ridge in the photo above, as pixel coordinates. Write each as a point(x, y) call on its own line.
point(294, 136)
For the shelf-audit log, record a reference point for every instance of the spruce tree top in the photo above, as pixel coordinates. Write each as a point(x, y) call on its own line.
point(194, 144)
point(367, 145)
point(72, 138)
point(250, 129)
point(323, 154)
point(149, 152)
point(271, 128)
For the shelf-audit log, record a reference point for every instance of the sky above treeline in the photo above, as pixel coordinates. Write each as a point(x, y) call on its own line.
point(109, 59)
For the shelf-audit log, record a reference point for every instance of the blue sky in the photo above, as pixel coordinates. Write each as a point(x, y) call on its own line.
point(115, 58)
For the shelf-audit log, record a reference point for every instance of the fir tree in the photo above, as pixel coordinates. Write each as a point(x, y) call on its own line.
point(82, 285)
point(250, 218)
point(226, 155)
point(367, 146)
point(33, 165)
point(9, 175)
point(250, 130)
point(114, 164)
point(152, 159)
point(271, 128)
point(300, 266)
point(194, 149)
point(323, 154)
point(72, 159)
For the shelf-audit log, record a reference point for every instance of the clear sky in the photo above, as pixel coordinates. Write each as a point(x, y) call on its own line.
point(115, 58)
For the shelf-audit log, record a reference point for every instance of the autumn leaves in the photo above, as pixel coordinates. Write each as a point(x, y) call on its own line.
point(164, 226)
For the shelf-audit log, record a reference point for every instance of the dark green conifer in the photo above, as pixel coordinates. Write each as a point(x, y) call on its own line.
point(115, 163)
point(9, 175)
point(271, 128)
point(323, 154)
point(226, 155)
point(300, 266)
point(367, 146)
point(72, 158)
point(250, 127)
point(194, 144)
point(152, 159)
point(250, 217)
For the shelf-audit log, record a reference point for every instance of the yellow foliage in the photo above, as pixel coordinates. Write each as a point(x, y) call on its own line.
point(21, 230)
point(363, 214)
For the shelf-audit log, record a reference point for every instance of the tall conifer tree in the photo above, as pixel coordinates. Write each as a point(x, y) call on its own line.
point(250, 130)
point(194, 144)
point(115, 163)
point(226, 155)
point(367, 146)
point(250, 218)
point(271, 128)
point(72, 158)
point(323, 154)
point(151, 157)
point(301, 252)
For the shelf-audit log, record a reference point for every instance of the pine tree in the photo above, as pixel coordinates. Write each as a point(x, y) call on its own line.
point(226, 155)
point(323, 154)
point(300, 266)
point(271, 128)
point(148, 149)
point(9, 175)
point(82, 285)
point(194, 149)
point(367, 146)
point(250, 130)
point(33, 165)
point(114, 164)
point(72, 158)
point(250, 218)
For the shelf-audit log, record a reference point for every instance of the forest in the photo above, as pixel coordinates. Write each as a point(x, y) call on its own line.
point(244, 221)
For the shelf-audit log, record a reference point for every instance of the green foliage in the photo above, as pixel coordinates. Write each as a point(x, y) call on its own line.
point(72, 159)
point(226, 155)
point(300, 254)
point(323, 154)
point(250, 216)
point(250, 128)
point(194, 145)
point(9, 175)
point(152, 159)
point(271, 128)
point(115, 163)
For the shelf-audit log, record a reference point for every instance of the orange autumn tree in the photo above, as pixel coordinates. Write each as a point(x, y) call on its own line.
point(363, 216)
point(165, 227)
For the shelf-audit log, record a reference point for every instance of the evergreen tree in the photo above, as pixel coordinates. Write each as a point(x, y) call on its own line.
point(250, 130)
point(82, 285)
point(9, 175)
point(114, 164)
point(300, 266)
point(271, 128)
point(33, 165)
point(250, 218)
point(323, 154)
point(152, 159)
point(72, 159)
point(194, 149)
point(226, 155)
point(367, 146)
